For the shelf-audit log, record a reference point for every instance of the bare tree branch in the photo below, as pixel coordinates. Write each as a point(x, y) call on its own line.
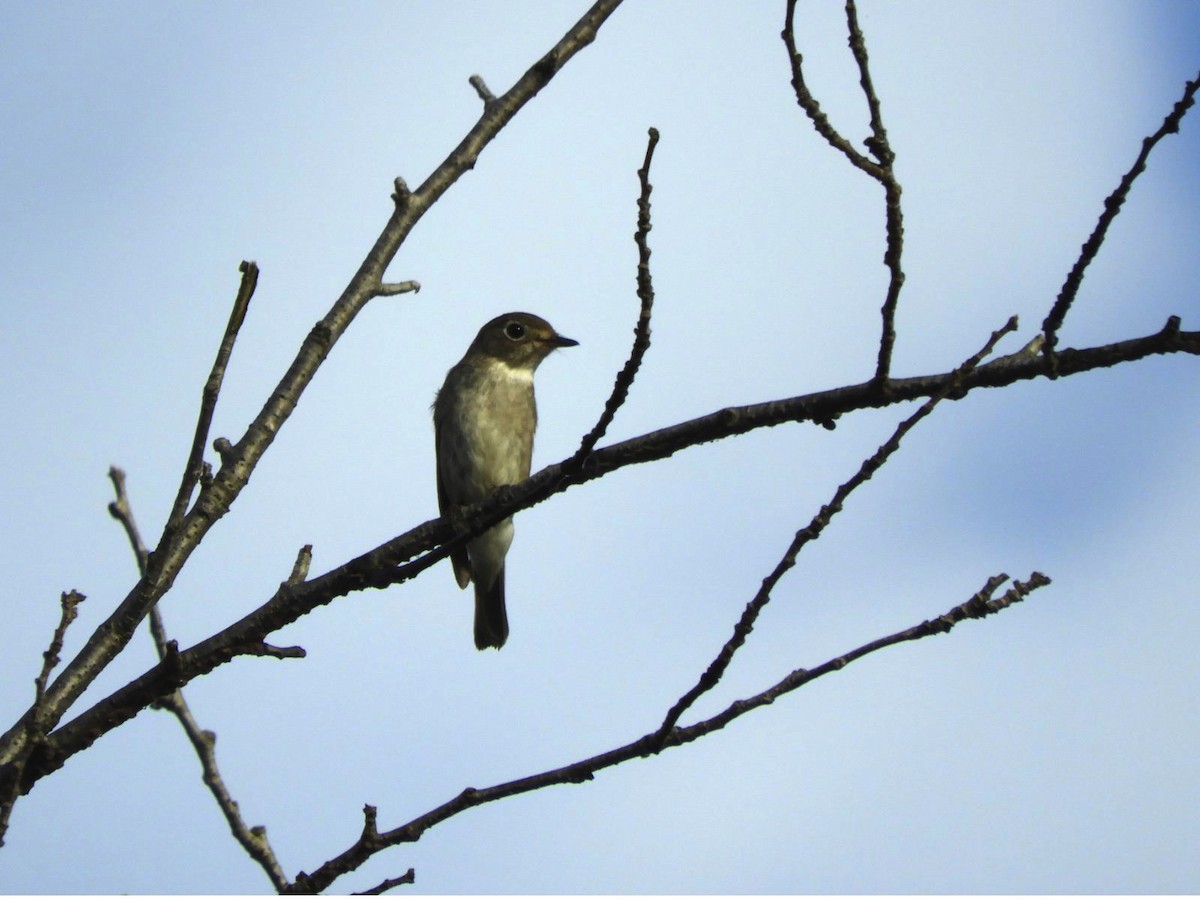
point(482, 89)
point(208, 402)
point(11, 772)
point(1112, 206)
point(400, 287)
point(409, 877)
point(252, 838)
point(373, 841)
point(407, 555)
point(641, 332)
point(180, 539)
point(812, 108)
point(980, 606)
point(32, 749)
point(881, 169)
point(713, 674)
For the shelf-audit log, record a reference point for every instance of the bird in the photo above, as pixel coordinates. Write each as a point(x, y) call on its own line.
point(484, 419)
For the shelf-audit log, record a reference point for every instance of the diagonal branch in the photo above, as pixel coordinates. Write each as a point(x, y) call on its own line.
point(253, 839)
point(372, 841)
point(713, 674)
point(180, 538)
point(208, 401)
point(1112, 207)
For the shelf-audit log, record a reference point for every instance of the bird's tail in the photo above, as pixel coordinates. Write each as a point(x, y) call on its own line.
point(491, 618)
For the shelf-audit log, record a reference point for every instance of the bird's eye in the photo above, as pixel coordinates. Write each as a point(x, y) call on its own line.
point(514, 331)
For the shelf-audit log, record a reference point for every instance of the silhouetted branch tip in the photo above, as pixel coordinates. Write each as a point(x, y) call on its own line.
point(390, 289)
point(224, 449)
point(409, 877)
point(401, 195)
point(261, 648)
point(300, 567)
point(370, 832)
point(121, 510)
point(482, 90)
point(193, 468)
point(69, 609)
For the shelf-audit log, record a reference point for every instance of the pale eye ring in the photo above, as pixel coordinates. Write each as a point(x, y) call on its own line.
point(514, 331)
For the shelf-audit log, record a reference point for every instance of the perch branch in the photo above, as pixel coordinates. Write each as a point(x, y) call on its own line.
point(183, 535)
point(405, 556)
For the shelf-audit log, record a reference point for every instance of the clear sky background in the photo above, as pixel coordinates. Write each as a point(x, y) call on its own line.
point(147, 148)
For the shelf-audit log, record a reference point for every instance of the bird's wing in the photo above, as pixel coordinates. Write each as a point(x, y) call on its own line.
point(458, 557)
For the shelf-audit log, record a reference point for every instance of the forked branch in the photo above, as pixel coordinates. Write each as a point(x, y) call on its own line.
point(982, 604)
point(1112, 207)
point(879, 168)
point(186, 526)
point(814, 529)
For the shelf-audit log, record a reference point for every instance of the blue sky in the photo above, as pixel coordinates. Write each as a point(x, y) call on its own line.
point(145, 149)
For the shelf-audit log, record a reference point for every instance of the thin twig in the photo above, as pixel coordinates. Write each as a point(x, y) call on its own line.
point(409, 877)
point(390, 289)
point(300, 566)
point(812, 108)
point(881, 169)
point(120, 510)
point(812, 531)
point(878, 143)
point(641, 332)
point(373, 841)
point(1112, 207)
point(252, 838)
point(69, 605)
point(212, 389)
point(981, 605)
point(482, 90)
point(36, 727)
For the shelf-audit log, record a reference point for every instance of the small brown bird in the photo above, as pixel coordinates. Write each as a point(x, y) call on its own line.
point(484, 418)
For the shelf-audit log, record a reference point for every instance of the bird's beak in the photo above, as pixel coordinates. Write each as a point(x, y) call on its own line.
point(559, 341)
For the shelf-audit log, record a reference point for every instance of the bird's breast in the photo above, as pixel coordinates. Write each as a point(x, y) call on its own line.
point(486, 425)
